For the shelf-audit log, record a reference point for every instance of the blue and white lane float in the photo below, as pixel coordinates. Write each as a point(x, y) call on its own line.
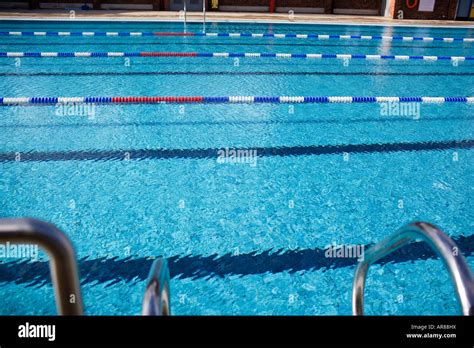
point(238, 35)
point(229, 55)
point(231, 100)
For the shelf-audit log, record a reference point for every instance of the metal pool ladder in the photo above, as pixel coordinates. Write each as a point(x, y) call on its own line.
point(444, 246)
point(64, 270)
point(61, 254)
point(157, 294)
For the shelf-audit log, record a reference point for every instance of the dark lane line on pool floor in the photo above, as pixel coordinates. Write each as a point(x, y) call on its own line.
point(234, 73)
point(387, 120)
point(346, 44)
point(131, 270)
point(212, 153)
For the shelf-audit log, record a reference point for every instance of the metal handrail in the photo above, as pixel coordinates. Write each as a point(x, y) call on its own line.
point(61, 254)
point(444, 246)
point(185, 14)
point(157, 294)
point(204, 17)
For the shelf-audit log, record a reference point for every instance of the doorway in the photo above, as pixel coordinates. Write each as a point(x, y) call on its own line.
point(191, 5)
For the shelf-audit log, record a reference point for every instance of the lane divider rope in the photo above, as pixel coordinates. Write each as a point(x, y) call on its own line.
point(227, 55)
point(237, 35)
point(230, 100)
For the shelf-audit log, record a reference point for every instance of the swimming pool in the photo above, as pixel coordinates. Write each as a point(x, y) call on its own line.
point(131, 182)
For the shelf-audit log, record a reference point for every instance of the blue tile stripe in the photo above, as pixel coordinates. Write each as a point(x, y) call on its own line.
point(212, 153)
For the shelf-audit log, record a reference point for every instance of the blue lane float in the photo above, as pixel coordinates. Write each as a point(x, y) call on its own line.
point(231, 55)
point(237, 35)
point(20, 101)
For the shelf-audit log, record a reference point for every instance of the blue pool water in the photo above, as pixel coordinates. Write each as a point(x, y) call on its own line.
point(240, 238)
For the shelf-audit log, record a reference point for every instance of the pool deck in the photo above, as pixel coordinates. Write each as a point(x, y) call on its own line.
point(126, 15)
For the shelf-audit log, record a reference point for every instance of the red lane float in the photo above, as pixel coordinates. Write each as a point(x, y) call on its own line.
point(142, 100)
point(168, 54)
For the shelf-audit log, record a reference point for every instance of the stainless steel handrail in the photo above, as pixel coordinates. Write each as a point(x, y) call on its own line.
point(157, 294)
point(444, 246)
point(204, 17)
point(185, 14)
point(62, 262)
